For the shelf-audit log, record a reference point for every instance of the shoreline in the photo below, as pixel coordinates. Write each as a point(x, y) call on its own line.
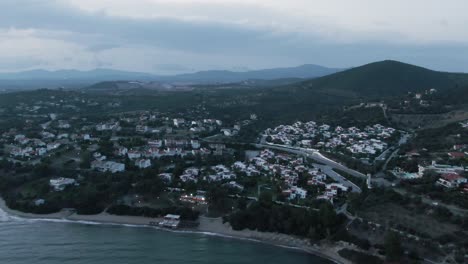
point(208, 226)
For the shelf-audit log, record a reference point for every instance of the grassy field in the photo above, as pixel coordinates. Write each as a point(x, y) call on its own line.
point(401, 218)
point(422, 121)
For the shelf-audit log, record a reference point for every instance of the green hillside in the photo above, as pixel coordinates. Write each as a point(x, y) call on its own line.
point(385, 78)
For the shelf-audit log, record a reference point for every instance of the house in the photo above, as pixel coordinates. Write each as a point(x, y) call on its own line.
point(99, 156)
point(134, 154)
point(234, 185)
point(192, 171)
point(451, 180)
point(333, 188)
point(295, 192)
point(143, 163)
point(239, 165)
point(22, 152)
point(227, 132)
point(170, 221)
point(178, 121)
point(456, 155)
point(167, 177)
point(39, 202)
point(62, 136)
point(155, 143)
point(443, 168)
point(41, 151)
point(141, 129)
point(110, 166)
point(52, 146)
point(195, 199)
point(195, 144)
point(122, 151)
point(59, 184)
point(188, 177)
point(63, 124)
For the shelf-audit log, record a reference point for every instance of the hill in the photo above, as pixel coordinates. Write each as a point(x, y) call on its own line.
point(385, 78)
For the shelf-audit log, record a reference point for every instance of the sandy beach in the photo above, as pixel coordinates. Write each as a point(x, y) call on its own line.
point(209, 226)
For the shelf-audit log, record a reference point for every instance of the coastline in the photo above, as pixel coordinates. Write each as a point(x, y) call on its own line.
point(208, 226)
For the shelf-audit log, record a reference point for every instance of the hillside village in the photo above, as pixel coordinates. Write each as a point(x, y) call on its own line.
point(368, 142)
point(181, 159)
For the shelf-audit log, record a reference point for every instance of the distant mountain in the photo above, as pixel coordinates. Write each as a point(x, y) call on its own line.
point(95, 75)
point(75, 78)
point(306, 71)
point(385, 78)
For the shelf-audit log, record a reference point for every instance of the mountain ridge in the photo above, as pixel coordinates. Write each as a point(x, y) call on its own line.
point(209, 76)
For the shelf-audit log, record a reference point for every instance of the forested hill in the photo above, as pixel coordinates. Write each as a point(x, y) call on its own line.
point(385, 78)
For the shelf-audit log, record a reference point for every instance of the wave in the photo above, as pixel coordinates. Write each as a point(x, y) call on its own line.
point(6, 217)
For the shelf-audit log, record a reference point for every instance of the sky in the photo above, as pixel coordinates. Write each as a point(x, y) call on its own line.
point(176, 36)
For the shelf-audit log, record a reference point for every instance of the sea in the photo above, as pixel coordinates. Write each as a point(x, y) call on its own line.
point(37, 241)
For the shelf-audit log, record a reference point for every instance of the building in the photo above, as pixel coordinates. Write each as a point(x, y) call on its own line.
point(442, 168)
point(451, 180)
point(134, 154)
point(195, 144)
point(143, 163)
point(178, 121)
point(53, 145)
point(170, 221)
point(155, 143)
point(59, 184)
point(295, 192)
point(167, 177)
point(110, 166)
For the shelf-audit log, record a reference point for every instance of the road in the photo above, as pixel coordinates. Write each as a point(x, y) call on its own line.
point(337, 177)
point(379, 175)
point(315, 155)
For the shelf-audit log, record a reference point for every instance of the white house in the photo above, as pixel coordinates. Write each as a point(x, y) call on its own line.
point(59, 184)
point(195, 144)
point(143, 163)
point(111, 166)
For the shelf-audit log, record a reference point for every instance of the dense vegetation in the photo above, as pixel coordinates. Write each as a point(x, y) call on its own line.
point(267, 216)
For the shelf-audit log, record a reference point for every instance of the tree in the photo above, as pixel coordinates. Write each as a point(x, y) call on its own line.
point(265, 199)
point(218, 199)
point(392, 244)
point(327, 217)
point(242, 203)
point(85, 160)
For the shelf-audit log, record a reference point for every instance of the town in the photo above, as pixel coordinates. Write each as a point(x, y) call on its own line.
point(185, 163)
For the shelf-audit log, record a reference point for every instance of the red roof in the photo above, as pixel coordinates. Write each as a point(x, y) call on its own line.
point(456, 154)
point(451, 176)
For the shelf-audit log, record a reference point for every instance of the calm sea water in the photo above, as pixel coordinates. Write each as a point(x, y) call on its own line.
point(28, 241)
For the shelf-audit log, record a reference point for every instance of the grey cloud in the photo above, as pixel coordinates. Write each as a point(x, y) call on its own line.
point(163, 32)
point(221, 44)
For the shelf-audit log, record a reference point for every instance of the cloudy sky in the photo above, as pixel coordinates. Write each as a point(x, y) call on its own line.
point(173, 36)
